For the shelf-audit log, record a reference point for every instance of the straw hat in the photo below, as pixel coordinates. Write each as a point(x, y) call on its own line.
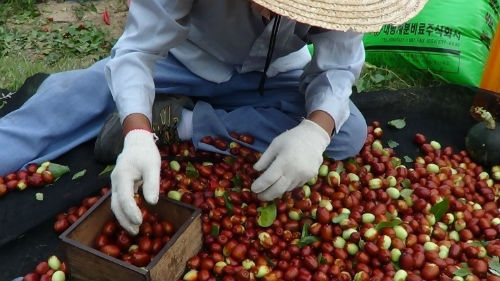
point(356, 15)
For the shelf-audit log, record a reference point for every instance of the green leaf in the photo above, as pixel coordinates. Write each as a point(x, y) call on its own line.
point(406, 183)
point(227, 203)
point(408, 159)
point(377, 78)
point(495, 266)
point(79, 174)
point(340, 168)
point(440, 208)
point(397, 123)
point(236, 180)
point(476, 244)
point(191, 171)
point(305, 230)
point(39, 196)
point(340, 218)
point(360, 86)
point(269, 261)
point(267, 215)
point(392, 144)
point(108, 169)
point(406, 195)
point(463, 271)
point(396, 265)
point(480, 243)
point(385, 224)
point(353, 161)
point(214, 230)
point(229, 160)
point(321, 259)
point(58, 170)
point(307, 240)
point(390, 216)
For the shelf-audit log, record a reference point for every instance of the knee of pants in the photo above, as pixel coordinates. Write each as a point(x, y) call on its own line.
point(350, 139)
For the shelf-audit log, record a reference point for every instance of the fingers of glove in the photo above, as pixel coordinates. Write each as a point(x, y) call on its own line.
point(294, 183)
point(267, 157)
point(270, 176)
point(275, 190)
point(301, 181)
point(137, 183)
point(122, 219)
point(122, 182)
point(307, 173)
point(151, 186)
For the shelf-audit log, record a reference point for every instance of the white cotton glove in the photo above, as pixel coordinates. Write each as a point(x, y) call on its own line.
point(139, 162)
point(291, 159)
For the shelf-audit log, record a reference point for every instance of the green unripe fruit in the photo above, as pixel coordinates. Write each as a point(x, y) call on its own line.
point(393, 192)
point(175, 166)
point(323, 170)
point(368, 218)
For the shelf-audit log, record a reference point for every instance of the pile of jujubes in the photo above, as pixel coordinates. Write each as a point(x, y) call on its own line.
point(65, 219)
point(374, 217)
point(366, 218)
point(34, 176)
point(50, 270)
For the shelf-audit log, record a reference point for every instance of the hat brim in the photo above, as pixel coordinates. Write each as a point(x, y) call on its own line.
point(344, 15)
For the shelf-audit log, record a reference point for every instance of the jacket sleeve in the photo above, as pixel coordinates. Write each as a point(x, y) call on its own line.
point(328, 79)
point(153, 27)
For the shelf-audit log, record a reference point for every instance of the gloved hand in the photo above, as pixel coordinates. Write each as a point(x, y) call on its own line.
point(139, 162)
point(291, 159)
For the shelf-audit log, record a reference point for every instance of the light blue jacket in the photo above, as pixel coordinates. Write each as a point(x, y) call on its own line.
point(216, 39)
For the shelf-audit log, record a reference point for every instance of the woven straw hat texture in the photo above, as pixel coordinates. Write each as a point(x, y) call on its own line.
point(344, 15)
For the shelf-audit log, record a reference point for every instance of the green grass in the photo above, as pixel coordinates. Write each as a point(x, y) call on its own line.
point(54, 42)
point(22, 8)
point(26, 52)
point(16, 68)
point(30, 44)
point(374, 78)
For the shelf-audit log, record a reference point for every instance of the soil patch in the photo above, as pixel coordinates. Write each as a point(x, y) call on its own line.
point(87, 12)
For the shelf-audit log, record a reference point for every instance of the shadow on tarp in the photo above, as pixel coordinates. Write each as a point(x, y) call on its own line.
point(26, 234)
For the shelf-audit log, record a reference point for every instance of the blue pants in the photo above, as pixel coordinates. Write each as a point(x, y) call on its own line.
point(70, 108)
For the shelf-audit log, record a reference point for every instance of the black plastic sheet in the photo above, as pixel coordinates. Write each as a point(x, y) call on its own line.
point(440, 113)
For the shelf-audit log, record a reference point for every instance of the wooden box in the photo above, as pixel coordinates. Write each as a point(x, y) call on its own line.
point(86, 263)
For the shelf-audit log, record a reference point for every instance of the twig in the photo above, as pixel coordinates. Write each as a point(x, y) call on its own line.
point(371, 66)
point(7, 96)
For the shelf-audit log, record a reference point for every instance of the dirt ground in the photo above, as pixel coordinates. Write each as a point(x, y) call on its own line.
point(66, 12)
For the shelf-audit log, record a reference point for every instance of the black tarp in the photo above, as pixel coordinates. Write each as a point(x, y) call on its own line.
point(26, 234)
